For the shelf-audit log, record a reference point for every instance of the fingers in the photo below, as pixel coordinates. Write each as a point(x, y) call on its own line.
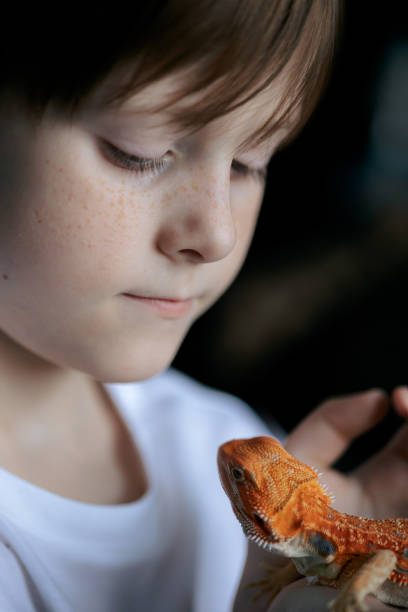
point(398, 445)
point(327, 431)
point(301, 597)
point(400, 401)
point(383, 477)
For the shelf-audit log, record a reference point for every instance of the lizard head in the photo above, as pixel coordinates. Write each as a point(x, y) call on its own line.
point(262, 481)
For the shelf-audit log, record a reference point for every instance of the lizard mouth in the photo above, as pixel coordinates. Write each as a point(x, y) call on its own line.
point(256, 527)
point(265, 532)
point(261, 524)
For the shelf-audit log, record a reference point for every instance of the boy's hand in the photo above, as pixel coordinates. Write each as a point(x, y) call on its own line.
point(376, 489)
point(301, 597)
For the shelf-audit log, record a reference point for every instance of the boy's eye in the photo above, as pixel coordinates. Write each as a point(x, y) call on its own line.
point(154, 165)
point(134, 163)
point(245, 171)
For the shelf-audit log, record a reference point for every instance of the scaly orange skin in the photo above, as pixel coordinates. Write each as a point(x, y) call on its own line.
point(283, 507)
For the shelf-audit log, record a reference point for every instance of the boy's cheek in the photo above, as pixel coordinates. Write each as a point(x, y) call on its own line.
point(247, 215)
point(65, 228)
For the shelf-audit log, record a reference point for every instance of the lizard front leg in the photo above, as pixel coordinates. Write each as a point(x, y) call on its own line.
point(276, 580)
point(366, 580)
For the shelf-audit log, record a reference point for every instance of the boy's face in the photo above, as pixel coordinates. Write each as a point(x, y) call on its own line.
point(84, 227)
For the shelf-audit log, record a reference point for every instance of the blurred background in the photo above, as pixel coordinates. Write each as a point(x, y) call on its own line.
point(321, 305)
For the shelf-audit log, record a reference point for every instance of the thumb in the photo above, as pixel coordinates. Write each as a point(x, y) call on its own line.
point(326, 432)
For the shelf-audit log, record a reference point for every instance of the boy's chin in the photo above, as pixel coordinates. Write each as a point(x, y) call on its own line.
point(135, 366)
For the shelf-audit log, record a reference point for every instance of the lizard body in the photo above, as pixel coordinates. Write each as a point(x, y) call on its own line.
point(283, 507)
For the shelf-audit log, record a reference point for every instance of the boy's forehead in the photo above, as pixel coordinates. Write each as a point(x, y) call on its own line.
point(160, 104)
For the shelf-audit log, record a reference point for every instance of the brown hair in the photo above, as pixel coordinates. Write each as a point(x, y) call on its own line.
point(238, 46)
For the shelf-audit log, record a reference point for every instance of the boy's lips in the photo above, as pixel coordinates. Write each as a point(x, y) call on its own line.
point(170, 307)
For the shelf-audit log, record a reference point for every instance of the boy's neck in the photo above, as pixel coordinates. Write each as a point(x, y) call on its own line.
point(31, 387)
point(48, 415)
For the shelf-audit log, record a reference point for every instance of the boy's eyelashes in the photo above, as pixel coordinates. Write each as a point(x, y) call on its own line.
point(134, 163)
point(257, 173)
point(154, 165)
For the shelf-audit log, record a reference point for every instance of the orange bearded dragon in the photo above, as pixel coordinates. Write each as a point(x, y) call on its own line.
point(282, 507)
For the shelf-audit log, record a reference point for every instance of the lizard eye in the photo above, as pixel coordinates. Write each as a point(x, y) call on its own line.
point(237, 473)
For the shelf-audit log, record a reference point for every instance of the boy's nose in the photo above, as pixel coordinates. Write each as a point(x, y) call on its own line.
point(199, 225)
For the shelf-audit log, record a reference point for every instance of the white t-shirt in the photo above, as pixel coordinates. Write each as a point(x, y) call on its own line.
point(177, 549)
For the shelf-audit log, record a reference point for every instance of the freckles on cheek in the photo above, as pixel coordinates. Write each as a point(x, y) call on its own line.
point(86, 213)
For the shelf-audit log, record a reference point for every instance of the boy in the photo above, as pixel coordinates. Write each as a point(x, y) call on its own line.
point(133, 156)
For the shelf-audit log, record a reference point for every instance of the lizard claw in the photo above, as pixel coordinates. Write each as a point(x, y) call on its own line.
point(276, 580)
point(263, 587)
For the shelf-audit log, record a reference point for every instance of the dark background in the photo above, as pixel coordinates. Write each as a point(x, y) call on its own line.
point(320, 307)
